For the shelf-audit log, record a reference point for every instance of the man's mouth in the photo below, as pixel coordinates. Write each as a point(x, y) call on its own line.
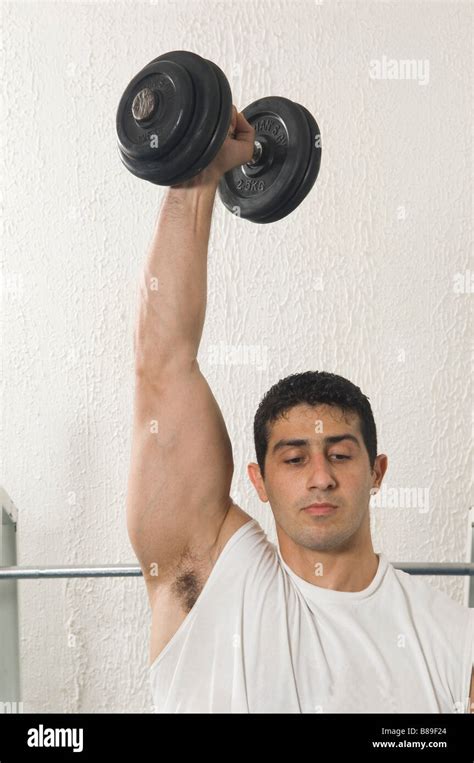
point(320, 508)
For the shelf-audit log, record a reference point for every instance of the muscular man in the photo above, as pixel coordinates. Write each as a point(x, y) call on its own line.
point(319, 623)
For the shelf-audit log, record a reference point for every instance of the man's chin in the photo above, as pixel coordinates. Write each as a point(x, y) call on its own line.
point(322, 538)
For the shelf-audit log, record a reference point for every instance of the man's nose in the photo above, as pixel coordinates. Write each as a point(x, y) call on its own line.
point(320, 473)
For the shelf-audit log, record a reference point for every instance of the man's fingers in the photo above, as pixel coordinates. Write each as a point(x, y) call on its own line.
point(239, 127)
point(243, 127)
point(233, 123)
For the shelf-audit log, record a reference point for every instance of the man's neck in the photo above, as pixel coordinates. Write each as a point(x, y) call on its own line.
point(349, 571)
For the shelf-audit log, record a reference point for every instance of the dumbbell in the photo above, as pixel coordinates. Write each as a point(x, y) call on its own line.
point(174, 116)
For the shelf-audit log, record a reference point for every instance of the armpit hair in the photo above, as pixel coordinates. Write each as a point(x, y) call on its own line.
point(187, 584)
point(187, 588)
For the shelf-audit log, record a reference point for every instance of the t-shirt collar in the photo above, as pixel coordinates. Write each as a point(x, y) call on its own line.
point(319, 594)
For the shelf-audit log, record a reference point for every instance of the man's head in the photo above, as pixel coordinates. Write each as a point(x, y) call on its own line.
point(317, 409)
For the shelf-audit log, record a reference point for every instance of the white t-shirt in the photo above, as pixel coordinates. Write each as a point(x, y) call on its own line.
point(261, 639)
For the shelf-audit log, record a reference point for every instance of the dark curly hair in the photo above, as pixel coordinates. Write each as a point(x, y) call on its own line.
point(312, 388)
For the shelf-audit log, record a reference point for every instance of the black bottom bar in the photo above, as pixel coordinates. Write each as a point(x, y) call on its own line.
point(135, 737)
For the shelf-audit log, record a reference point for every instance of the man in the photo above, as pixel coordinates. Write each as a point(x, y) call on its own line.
point(320, 624)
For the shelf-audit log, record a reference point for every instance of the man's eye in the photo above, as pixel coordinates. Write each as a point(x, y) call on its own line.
point(337, 455)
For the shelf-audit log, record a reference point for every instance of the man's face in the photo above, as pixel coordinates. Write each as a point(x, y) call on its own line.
point(317, 471)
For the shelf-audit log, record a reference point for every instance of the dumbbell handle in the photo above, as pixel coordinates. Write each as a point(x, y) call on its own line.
point(145, 104)
point(257, 153)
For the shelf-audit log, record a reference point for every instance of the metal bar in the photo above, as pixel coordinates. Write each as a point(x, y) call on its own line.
point(108, 571)
point(435, 568)
point(112, 571)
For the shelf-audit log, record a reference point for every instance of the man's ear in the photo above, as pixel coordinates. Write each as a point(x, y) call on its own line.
point(380, 467)
point(253, 470)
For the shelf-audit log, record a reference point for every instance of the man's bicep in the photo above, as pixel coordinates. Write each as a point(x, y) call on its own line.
point(180, 471)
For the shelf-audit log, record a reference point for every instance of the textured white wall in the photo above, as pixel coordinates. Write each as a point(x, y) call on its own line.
point(360, 281)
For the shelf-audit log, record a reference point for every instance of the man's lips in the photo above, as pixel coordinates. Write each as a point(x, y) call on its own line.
point(320, 508)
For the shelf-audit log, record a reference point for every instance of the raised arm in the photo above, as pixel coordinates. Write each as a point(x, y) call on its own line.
point(181, 464)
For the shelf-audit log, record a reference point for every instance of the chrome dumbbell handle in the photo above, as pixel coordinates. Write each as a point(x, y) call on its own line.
point(257, 153)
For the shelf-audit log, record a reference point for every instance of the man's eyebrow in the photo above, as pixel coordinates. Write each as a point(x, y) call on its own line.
point(299, 443)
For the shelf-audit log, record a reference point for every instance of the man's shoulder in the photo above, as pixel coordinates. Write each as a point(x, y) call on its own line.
point(234, 520)
point(430, 601)
point(245, 548)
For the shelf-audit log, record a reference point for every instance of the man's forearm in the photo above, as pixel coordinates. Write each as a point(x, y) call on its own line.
point(173, 285)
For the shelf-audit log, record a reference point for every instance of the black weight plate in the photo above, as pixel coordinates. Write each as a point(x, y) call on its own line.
point(258, 191)
point(162, 168)
point(223, 108)
point(310, 175)
point(172, 86)
point(224, 119)
point(204, 119)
